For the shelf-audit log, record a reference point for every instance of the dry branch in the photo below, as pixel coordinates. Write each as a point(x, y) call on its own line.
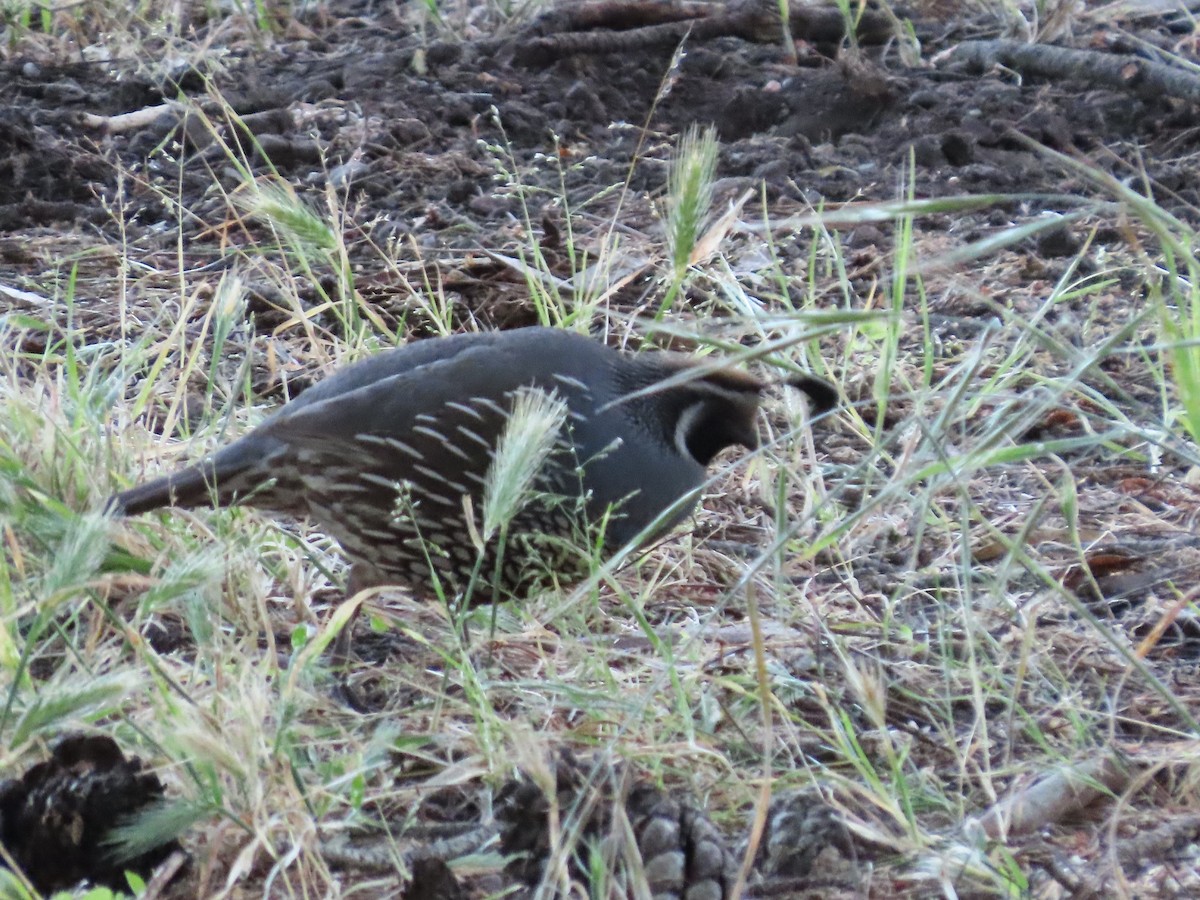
point(1052, 797)
point(623, 26)
point(620, 14)
point(132, 121)
point(1129, 73)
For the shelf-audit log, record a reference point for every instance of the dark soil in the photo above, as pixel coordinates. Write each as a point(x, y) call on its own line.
point(405, 130)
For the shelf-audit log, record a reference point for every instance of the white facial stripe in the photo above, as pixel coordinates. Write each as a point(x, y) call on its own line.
point(684, 427)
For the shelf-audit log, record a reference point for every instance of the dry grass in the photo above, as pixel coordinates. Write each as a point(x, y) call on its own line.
point(978, 570)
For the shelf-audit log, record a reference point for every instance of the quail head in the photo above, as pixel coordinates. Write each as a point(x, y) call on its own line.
point(392, 456)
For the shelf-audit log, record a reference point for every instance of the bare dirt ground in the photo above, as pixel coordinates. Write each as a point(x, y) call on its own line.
point(464, 164)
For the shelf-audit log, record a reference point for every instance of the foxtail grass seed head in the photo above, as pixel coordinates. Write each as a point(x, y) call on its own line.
point(690, 192)
point(279, 205)
point(528, 439)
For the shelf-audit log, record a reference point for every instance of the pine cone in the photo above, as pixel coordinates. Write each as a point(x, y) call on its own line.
point(679, 854)
point(804, 838)
point(55, 820)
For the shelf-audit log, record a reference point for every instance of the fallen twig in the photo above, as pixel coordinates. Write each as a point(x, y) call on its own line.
point(622, 26)
point(1052, 797)
point(1125, 72)
point(131, 121)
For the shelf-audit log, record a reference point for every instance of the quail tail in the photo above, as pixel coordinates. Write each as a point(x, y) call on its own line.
point(216, 481)
point(194, 486)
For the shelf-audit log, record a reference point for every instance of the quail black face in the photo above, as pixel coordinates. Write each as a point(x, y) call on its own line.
point(718, 411)
point(390, 453)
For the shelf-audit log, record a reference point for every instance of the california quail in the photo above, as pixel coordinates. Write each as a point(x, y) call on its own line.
point(390, 456)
